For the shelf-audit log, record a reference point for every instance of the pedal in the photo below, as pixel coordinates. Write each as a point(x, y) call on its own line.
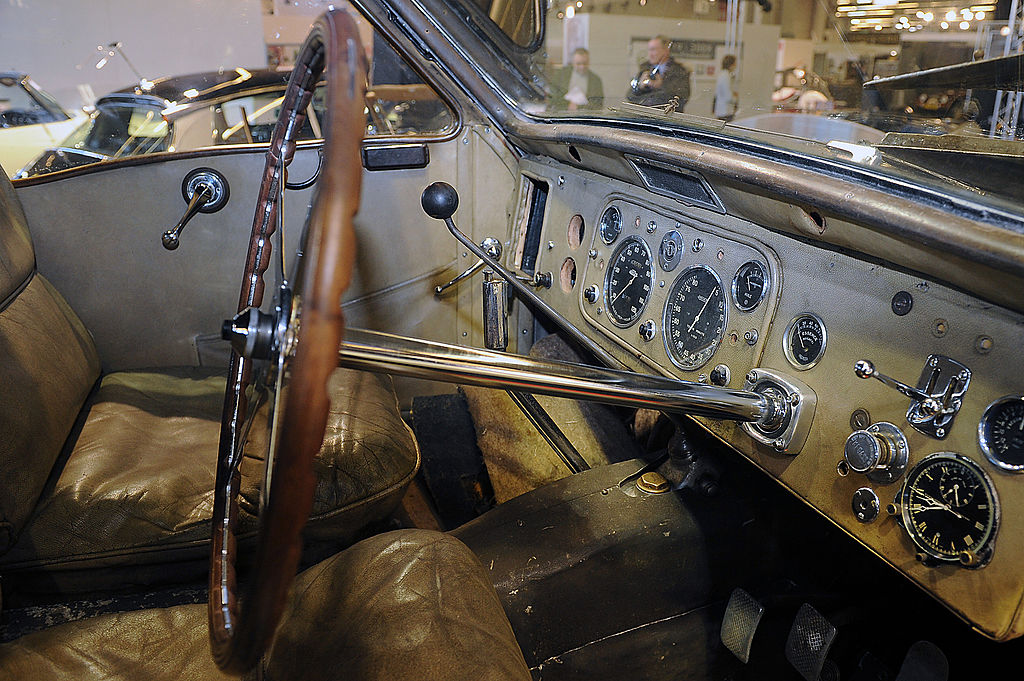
point(742, 615)
point(924, 662)
point(809, 641)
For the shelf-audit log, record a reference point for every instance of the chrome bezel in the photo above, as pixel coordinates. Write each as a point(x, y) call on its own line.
point(664, 263)
point(789, 336)
point(625, 324)
point(764, 289)
point(665, 325)
point(985, 549)
point(983, 439)
point(601, 224)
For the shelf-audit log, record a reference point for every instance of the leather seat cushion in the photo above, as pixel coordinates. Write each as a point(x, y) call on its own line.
point(138, 485)
point(410, 604)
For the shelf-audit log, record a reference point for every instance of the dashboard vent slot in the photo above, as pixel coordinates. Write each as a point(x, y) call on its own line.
point(690, 188)
point(531, 223)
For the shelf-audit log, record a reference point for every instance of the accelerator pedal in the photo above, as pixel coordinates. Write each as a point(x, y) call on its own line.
point(924, 662)
point(809, 641)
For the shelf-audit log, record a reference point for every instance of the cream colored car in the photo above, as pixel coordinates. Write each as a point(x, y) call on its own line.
point(30, 120)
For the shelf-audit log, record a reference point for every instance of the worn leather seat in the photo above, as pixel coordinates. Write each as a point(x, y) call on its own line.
point(108, 480)
point(410, 604)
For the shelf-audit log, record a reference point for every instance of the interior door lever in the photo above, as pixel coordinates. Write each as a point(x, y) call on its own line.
point(206, 191)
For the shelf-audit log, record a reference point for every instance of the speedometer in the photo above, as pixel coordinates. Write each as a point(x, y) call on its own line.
point(695, 317)
point(627, 285)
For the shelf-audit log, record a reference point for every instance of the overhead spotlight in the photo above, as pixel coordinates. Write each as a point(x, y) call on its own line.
point(570, 12)
point(964, 25)
point(944, 24)
point(928, 16)
point(979, 16)
point(950, 15)
point(878, 27)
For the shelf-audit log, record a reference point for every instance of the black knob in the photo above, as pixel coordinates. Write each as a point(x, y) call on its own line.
point(440, 200)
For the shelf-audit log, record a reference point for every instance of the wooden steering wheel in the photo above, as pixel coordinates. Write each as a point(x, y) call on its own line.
point(300, 340)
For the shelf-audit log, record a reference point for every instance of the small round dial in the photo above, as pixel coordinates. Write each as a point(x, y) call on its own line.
point(749, 285)
point(611, 225)
point(804, 342)
point(627, 285)
point(1001, 432)
point(950, 509)
point(695, 317)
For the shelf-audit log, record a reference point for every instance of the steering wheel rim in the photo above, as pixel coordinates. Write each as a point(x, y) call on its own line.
point(242, 628)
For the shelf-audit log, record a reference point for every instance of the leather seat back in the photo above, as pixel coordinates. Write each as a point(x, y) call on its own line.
point(48, 365)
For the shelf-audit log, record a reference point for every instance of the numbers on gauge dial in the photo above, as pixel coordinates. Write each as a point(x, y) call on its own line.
point(804, 341)
point(949, 507)
point(695, 317)
point(629, 281)
point(610, 225)
point(1001, 433)
point(749, 285)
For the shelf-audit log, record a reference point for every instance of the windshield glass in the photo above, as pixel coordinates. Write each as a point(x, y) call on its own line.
point(789, 72)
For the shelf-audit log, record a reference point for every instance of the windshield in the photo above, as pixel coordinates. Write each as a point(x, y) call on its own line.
point(792, 73)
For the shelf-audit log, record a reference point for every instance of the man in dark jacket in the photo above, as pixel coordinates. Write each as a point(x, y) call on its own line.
point(575, 86)
point(660, 77)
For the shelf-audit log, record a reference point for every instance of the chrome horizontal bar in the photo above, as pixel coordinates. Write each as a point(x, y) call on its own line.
point(385, 353)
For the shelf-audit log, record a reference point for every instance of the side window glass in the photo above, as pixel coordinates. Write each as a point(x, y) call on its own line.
point(398, 101)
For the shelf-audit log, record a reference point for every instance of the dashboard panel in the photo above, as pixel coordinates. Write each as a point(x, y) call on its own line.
point(921, 485)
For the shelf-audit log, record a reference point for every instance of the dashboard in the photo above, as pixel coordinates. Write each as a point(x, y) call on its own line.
point(914, 434)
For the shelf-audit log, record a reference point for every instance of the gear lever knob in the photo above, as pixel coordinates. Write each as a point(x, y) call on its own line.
point(439, 200)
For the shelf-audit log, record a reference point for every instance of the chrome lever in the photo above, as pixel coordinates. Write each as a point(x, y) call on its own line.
point(199, 200)
point(206, 191)
point(439, 201)
point(491, 246)
point(929, 405)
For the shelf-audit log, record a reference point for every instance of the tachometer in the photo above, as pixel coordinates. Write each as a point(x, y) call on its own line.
point(1001, 433)
point(627, 285)
point(695, 317)
point(950, 509)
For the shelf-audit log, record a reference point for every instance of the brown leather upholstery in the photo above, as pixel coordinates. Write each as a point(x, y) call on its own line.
point(405, 605)
point(124, 476)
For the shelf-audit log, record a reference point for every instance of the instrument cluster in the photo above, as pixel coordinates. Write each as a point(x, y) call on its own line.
point(676, 292)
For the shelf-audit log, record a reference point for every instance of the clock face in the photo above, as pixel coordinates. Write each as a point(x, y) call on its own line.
point(950, 509)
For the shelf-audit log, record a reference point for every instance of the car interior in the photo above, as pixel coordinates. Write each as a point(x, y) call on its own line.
point(598, 402)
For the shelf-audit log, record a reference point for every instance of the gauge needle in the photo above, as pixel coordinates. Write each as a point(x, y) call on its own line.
point(694, 323)
point(956, 494)
point(622, 290)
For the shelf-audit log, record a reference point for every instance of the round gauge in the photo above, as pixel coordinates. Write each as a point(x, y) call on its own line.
point(804, 342)
point(611, 225)
point(749, 285)
point(1001, 432)
point(627, 285)
point(694, 317)
point(950, 509)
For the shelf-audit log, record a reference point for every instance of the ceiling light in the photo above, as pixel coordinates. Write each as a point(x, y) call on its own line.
point(964, 25)
point(950, 15)
point(944, 24)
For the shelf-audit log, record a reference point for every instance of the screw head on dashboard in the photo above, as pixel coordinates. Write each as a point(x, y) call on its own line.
point(752, 377)
point(779, 444)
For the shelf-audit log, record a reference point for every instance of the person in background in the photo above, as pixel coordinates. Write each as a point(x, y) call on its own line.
point(575, 86)
point(660, 77)
point(726, 99)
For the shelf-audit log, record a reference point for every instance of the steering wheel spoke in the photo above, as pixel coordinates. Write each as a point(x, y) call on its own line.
point(299, 342)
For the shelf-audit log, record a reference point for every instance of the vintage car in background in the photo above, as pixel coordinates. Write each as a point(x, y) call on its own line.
point(233, 106)
point(723, 403)
point(30, 120)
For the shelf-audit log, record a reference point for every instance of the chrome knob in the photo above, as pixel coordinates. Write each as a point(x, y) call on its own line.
point(591, 294)
point(648, 330)
point(879, 451)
